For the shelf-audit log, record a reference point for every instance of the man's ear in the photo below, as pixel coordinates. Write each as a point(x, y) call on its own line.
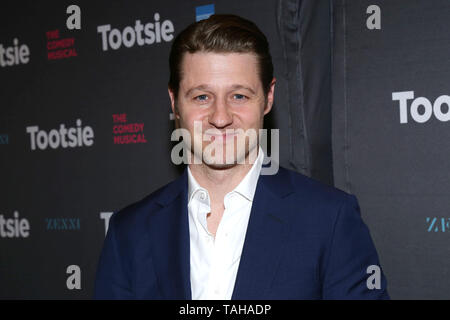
point(173, 103)
point(270, 97)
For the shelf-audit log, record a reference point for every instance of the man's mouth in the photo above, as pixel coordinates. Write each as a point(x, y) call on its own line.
point(221, 136)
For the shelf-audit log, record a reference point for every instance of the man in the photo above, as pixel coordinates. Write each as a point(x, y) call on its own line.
point(223, 230)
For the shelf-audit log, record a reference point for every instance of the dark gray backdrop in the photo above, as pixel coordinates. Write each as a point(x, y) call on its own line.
point(399, 171)
point(333, 107)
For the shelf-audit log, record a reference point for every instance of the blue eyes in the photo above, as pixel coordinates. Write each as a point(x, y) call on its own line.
point(204, 97)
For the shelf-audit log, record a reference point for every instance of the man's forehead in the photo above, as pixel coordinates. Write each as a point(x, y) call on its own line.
point(215, 55)
point(221, 63)
point(231, 87)
point(209, 70)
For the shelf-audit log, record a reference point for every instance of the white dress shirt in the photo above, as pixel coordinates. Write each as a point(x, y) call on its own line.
point(215, 261)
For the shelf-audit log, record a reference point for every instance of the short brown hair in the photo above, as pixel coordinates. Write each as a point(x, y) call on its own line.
point(221, 33)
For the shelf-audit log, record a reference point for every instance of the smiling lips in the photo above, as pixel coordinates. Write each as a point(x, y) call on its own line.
point(223, 136)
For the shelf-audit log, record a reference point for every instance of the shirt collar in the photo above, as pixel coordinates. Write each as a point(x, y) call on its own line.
point(193, 186)
point(246, 187)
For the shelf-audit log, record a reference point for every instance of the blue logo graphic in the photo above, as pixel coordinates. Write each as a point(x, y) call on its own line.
point(62, 224)
point(203, 12)
point(438, 224)
point(4, 139)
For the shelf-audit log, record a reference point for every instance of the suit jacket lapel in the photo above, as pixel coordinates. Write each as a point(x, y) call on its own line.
point(266, 235)
point(169, 241)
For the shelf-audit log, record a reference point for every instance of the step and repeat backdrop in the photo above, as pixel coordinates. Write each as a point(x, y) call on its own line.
point(391, 76)
point(85, 121)
point(361, 103)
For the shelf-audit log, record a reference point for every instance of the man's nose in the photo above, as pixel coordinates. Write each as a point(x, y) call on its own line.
point(220, 115)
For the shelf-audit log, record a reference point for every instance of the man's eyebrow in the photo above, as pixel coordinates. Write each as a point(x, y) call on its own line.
point(206, 87)
point(200, 87)
point(239, 86)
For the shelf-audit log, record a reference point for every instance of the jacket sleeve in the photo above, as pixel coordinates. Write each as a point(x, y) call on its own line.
point(352, 269)
point(111, 282)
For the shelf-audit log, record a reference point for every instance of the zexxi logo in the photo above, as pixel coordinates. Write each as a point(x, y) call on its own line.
point(140, 34)
point(63, 137)
point(438, 224)
point(62, 224)
point(421, 109)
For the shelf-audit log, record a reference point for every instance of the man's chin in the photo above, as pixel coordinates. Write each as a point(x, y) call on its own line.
point(222, 162)
point(220, 166)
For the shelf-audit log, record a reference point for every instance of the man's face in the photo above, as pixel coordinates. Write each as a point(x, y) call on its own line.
point(222, 93)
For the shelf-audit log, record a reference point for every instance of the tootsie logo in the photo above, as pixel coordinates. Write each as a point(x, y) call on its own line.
point(140, 34)
point(14, 55)
point(421, 109)
point(15, 227)
point(63, 137)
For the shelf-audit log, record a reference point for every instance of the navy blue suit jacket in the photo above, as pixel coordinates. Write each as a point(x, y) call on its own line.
point(304, 240)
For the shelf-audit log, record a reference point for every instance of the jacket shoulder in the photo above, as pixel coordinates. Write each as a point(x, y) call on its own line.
point(135, 215)
point(314, 189)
